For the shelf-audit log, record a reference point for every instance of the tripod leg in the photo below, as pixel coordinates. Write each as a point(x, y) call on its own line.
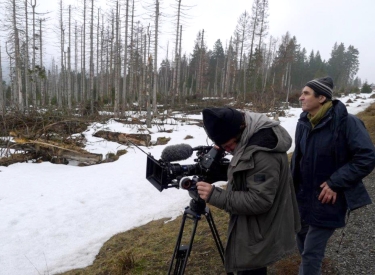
point(215, 233)
point(182, 252)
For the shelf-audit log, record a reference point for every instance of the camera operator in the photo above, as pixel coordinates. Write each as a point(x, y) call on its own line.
point(260, 196)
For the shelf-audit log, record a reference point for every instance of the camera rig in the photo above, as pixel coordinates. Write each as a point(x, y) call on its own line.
point(210, 166)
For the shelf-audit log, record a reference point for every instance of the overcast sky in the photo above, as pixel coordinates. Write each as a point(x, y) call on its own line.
point(316, 24)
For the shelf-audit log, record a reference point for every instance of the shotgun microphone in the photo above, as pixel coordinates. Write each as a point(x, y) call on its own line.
point(177, 152)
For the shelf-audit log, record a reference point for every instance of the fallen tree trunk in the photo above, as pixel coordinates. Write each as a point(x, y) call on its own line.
point(50, 151)
point(122, 138)
point(16, 158)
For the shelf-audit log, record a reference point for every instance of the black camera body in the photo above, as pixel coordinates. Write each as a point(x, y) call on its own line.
point(210, 166)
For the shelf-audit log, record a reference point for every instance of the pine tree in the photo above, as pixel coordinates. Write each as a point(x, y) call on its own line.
point(366, 88)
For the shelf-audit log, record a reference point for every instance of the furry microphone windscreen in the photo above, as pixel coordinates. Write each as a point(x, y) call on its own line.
point(176, 152)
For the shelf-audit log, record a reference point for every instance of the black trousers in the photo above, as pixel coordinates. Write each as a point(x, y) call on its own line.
point(259, 271)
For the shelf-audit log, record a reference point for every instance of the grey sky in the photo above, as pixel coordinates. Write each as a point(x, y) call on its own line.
point(316, 24)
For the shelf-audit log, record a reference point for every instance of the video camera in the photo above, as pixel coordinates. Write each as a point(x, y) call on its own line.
point(210, 166)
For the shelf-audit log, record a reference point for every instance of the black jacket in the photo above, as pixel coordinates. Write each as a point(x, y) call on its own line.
point(338, 151)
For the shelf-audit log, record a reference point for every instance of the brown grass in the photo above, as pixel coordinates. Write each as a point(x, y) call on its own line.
point(368, 117)
point(148, 249)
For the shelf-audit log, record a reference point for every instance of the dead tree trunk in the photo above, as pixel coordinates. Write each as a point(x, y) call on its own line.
point(33, 83)
point(69, 67)
point(83, 57)
point(131, 72)
point(76, 63)
point(124, 85)
point(2, 101)
point(91, 93)
point(179, 64)
point(62, 69)
point(97, 59)
point(117, 92)
point(42, 80)
point(148, 91)
point(174, 86)
point(26, 58)
point(18, 80)
point(155, 82)
point(200, 67)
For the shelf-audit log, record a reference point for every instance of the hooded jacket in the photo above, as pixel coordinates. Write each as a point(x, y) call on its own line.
point(339, 151)
point(260, 199)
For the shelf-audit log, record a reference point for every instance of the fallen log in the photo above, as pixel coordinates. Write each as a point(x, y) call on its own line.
point(50, 151)
point(16, 158)
point(122, 138)
point(58, 151)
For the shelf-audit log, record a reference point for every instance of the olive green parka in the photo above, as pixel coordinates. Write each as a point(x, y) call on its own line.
point(260, 199)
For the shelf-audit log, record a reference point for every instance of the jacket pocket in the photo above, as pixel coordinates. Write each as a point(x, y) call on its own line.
point(329, 213)
point(250, 230)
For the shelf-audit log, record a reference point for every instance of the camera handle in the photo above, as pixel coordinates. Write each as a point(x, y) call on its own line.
point(182, 252)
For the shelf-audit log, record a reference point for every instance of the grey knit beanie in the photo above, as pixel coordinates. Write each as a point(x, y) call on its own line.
point(322, 86)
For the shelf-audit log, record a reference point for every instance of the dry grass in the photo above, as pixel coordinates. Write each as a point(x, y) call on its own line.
point(368, 117)
point(148, 249)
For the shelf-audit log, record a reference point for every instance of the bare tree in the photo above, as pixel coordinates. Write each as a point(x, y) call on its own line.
point(200, 65)
point(18, 80)
point(242, 33)
point(148, 91)
point(174, 87)
point(26, 57)
point(83, 56)
point(117, 65)
point(263, 23)
point(259, 27)
point(42, 81)
point(268, 60)
point(261, 33)
point(102, 68)
point(91, 81)
point(131, 72)
point(155, 82)
point(33, 83)
point(69, 64)
point(179, 62)
point(124, 85)
point(97, 57)
point(76, 62)
point(228, 68)
point(62, 69)
point(2, 100)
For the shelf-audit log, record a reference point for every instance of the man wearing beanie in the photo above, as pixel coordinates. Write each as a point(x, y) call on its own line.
point(333, 153)
point(260, 196)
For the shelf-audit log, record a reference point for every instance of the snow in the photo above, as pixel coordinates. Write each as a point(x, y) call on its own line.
point(56, 217)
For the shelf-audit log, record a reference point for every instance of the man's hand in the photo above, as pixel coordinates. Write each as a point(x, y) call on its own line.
point(327, 195)
point(204, 190)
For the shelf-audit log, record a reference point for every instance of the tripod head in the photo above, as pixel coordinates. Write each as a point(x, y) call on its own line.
point(197, 204)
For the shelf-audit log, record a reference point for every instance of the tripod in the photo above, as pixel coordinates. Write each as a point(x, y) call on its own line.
point(182, 252)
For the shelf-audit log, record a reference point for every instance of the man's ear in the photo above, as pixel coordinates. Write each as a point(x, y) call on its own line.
point(322, 99)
